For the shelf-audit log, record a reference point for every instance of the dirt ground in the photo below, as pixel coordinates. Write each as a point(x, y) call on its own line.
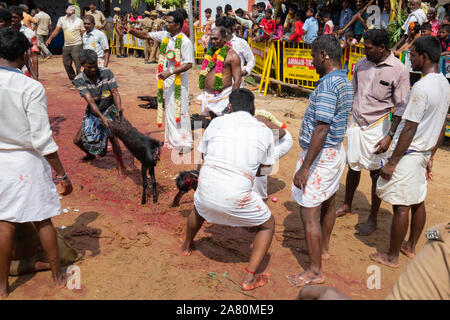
point(130, 251)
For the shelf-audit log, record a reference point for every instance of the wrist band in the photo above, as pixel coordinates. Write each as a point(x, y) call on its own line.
point(391, 134)
point(249, 271)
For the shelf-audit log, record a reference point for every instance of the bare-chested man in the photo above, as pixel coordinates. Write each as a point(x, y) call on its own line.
point(215, 98)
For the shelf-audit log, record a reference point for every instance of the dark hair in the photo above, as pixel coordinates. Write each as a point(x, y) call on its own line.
point(377, 37)
point(226, 22)
point(242, 100)
point(269, 10)
point(298, 13)
point(330, 45)
point(219, 8)
point(281, 16)
point(239, 11)
point(183, 12)
point(349, 33)
point(196, 15)
point(13, 44)
point(91, 3)
point(311, 9)
point(16, 10)
point(223, 31)
point(228, 8)
point(88, 56)
point(41, 7)
point(446, 27)
point(426, 26)
point(261, 5)
point(430, 46)
point(208, 10)
point(90, 18)
point(5, 15)
point(177, 17)
point(325, 14)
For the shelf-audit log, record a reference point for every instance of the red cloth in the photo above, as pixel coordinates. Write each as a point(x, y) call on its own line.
point(185, 29)
point(298, 34)
point(269, 26)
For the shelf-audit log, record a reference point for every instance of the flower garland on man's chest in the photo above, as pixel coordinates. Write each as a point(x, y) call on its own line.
point(214, 59)
point(170, 55)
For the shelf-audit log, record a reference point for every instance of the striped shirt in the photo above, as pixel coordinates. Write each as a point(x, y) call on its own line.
point(331, 103)
point(99, 91)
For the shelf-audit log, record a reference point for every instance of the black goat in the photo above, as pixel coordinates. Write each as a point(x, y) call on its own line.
point(145, 149)
point(186, 180)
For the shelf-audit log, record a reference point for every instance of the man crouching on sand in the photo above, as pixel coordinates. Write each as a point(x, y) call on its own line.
point(236, 147)
point(99, 88)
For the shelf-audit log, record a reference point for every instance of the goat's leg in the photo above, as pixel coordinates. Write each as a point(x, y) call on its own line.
point(144, 184)
point(176, 200)
point(152, 175)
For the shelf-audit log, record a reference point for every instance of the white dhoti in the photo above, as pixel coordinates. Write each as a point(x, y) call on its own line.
point(282, 147)
point(27, 191)
point(324, 177)
point(408, 185)
point(361, 143)
point(101, 62)
point(224, 196)
point(215, 102)
point(177, 134)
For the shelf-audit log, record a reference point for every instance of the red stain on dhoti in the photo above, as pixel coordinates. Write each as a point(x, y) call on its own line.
point(21, 177)
point(245, 200)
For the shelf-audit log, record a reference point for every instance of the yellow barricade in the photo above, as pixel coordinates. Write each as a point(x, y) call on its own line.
point(297, 64)
point(260, 51)
point(198, 45)
point(356, 53)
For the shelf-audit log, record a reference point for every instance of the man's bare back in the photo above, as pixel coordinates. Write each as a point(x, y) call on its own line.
point(231, 71)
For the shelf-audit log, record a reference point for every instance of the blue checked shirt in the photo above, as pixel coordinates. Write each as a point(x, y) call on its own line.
point(331, 103)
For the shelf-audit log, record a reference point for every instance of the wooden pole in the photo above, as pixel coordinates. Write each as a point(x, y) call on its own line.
point(360, 12)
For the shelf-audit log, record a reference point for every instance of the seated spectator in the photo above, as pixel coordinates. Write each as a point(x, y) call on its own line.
point(268, 25)
point(279, 27)
point(289, 23)
point(311, 27)
point(328, 27)
point(435, 23)
point(298, 31)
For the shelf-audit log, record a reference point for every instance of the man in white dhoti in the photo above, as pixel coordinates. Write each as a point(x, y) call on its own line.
point(220, 74)
point(236, 148)
point(381, 83)
point(178, 133)
point(403, 179)
point(27, 191)
point(322, 161)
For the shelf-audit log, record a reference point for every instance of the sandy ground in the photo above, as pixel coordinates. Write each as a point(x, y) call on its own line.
point(131, 251)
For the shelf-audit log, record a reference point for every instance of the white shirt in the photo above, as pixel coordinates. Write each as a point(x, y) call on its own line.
point(187, 54)
point(96, 40)
point(72, 27)
point(24, 123)
point(239, 141)
point(245, 53)
point(428, 106)
point(43, 21)
point(417, 15)
point(27, 32)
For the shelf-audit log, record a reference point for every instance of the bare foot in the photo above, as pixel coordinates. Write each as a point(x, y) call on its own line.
point(383, 258)
point(88, 157)
point(367, 228)
point(406, 250)
point(186, 250)
point(60, 280)
point(343, 211)
point(304, 250)
point(256, 282)
point(4, 293)
point(306, 278)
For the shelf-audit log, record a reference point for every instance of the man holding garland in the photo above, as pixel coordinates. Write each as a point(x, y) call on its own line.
point(175, 59)
point(220, 75)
